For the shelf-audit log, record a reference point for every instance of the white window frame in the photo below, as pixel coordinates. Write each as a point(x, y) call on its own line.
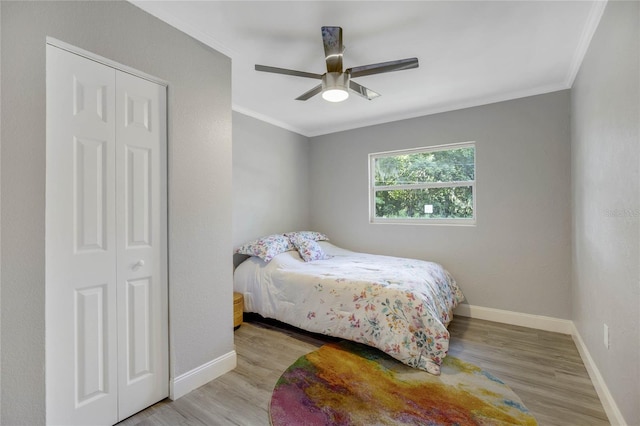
point(426, 185)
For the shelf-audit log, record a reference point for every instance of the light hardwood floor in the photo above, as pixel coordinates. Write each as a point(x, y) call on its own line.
point(543, 368)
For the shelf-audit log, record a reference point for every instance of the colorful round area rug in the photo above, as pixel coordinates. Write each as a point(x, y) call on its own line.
point(351, 384)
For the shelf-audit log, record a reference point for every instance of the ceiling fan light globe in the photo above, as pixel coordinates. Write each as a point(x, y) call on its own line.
point(335, 95)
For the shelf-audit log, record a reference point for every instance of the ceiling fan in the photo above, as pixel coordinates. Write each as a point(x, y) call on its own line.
point(337, 82)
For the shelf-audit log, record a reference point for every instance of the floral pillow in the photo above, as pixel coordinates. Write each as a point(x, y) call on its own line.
point(309, 235)
point(266, 248)
point(309, 249)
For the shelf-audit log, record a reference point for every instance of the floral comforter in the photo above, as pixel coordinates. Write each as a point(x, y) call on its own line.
point(400, 306)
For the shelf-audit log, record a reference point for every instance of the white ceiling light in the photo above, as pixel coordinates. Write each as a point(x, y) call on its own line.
point(335, 95)
point(335, 86)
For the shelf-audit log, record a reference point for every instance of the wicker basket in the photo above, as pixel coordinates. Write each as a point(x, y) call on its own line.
point(238, 307)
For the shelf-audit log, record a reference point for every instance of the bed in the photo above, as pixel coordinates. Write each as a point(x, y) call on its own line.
point(400, 306)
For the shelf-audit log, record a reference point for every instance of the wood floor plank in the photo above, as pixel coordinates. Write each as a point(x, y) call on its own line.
point(543, 368)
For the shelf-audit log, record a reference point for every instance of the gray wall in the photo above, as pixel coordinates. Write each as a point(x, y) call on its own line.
point(606, 203)
point(270, 179)
point(0, 216)
point(518, 255)
point(199, 182)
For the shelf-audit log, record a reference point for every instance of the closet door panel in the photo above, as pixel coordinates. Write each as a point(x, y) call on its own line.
point(81, 374)
point(142, 256)
point(106, 244)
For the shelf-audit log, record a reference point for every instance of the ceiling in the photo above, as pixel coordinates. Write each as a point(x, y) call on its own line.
point(471, 53)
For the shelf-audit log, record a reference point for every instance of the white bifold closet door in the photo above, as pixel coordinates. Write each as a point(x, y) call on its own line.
point(106, 242)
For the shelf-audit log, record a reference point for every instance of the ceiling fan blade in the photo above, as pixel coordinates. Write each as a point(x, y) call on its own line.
point(382, 67)
point(288, 72)
point(310, 93)
point(363, 91)
point(333, 48)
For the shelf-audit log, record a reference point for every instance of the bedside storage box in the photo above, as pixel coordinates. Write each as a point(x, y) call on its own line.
point(238, 308)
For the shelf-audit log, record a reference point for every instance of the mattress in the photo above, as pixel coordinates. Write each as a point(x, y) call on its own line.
point(398, 305)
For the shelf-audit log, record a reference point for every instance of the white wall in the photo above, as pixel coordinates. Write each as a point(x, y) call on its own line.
point(270, 179)
point(199, 107)
point(518, 256)
point(606, 203)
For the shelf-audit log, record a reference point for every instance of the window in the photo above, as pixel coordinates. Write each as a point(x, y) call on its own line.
point(424, 185)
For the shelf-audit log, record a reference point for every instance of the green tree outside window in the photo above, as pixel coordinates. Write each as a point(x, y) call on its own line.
point(432, 184)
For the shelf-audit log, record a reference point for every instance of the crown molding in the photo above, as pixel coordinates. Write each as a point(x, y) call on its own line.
point(590, 27)
point(158, 10)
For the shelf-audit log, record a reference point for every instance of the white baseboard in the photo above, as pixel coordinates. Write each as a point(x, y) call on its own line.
point(185, 383)
point(608, 403)
point(538, 322)
point(556, 325)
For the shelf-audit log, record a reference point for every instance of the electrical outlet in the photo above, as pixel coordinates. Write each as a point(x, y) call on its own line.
point(606, 336)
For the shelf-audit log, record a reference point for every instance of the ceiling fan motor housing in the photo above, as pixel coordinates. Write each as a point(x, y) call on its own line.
point(335, 86)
